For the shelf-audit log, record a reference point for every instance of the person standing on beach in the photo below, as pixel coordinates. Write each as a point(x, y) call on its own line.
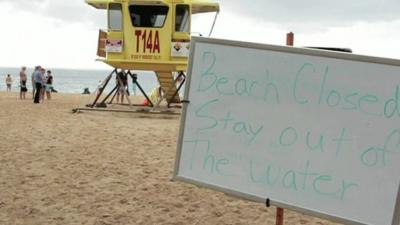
point(33, 81)
point(22, 83)
point(38, 79)
point(99, 87)
point(122, 82)
point(44, 81)
point(8, 82)
point(49, 84)
point(134, 83)
point(134, 88)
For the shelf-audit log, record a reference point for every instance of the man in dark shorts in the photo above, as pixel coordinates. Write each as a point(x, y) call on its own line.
point(22, 83)
point(37, 76)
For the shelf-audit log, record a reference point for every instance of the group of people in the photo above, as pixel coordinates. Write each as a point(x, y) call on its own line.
point(42, 82)
point(122, 85)
point(122, 81)
point(156, 95)
point(22, 81)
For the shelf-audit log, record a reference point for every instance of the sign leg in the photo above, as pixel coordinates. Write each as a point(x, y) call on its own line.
point(279, 216)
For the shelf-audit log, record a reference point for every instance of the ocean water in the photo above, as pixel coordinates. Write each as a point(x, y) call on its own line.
point(75, 81)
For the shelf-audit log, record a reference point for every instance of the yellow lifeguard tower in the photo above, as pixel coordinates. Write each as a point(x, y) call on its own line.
point(151, 35)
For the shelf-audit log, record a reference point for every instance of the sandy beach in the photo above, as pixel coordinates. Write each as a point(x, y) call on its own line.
point(97, 168)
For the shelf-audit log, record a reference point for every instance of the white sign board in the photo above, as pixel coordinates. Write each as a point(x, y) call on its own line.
point(311, 130)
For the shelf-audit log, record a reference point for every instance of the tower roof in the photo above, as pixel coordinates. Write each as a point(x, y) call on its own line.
point(198, 6)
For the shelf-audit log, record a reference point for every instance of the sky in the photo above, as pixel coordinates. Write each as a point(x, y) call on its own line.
point(63, 34)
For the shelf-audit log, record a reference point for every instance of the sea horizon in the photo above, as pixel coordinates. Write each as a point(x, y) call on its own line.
point(74, 81)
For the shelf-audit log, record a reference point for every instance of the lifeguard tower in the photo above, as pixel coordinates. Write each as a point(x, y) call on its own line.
point(152, 35)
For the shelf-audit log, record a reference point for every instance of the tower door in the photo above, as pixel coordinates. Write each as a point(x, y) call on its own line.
point(115, 37)
point(181, 31)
